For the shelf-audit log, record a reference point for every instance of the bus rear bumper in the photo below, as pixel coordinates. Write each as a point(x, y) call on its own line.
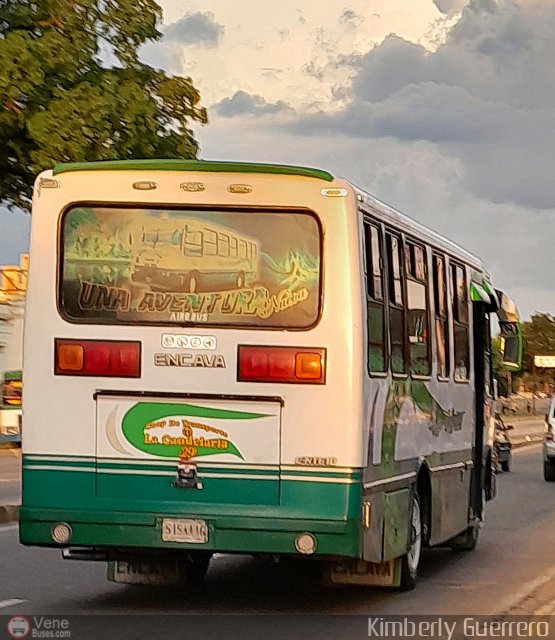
point(226, 534)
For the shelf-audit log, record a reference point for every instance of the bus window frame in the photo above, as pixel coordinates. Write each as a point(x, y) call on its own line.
point(173, 206)
point(407, 242)
point(389, 231)
point(453, 264)
point(447, 319)
point(368, 222)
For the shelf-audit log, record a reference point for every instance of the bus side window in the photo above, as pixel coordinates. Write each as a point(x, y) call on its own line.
point(192, 243)
point(210, 243)
point(233, 247)
point(441, 318)
point(374, 299)
point(417, 309)
point(223, 245)
point(459, 299)
point(396, 303)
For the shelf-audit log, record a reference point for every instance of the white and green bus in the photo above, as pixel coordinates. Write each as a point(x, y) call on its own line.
point(335, 404)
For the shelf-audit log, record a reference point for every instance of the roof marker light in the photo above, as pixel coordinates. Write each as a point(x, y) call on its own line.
point(48, 183)
point(334, 192)
point(192, 187)
point(145, 185)
point(239, 188)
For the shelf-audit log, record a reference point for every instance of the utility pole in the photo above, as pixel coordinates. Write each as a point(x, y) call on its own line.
point(535, 377)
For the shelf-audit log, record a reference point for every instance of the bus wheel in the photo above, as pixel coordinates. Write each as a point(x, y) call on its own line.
point(194, 568)
point(191, 283)
point(240, 283)
point(410, 562)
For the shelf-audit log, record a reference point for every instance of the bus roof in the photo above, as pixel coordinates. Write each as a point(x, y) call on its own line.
point(193, 165)
point(382, 209)
point(409, 225)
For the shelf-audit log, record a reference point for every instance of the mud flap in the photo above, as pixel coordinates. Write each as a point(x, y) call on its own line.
point(360, 572)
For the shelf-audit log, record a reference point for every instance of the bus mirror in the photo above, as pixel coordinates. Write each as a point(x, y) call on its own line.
point(511, 345)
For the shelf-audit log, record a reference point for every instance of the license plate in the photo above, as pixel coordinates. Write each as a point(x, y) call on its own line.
point(184, 530)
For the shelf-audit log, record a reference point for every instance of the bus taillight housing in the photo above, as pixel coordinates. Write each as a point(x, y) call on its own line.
point(103, 358)
point(281, 364)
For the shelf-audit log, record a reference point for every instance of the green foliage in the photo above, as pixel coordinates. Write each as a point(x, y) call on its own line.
point(60, 103)
point(539, 339)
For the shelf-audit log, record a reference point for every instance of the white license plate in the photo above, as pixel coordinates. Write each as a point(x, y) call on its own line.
point(184, 530)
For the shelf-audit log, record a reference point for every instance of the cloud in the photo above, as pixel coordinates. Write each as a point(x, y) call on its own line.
point(462, 138)
point(450, 6)
point(484, 97)
point(195, 29)
point(243, 103)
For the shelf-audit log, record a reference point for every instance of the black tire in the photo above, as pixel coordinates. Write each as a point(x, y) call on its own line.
point(410, 562)
point(548, 471)
point(194, 569)
point(507, 465)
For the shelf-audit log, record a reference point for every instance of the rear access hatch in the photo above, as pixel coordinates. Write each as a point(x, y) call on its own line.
point(187, 451)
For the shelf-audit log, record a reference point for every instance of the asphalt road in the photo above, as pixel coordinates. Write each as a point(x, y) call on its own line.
point(514, 550)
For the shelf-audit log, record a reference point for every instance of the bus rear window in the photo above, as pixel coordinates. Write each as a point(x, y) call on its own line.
point(124, 265)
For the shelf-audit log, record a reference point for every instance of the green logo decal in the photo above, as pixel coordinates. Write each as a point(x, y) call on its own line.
point(171, 431)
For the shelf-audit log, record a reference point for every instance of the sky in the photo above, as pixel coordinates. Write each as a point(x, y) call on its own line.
point(443, 109)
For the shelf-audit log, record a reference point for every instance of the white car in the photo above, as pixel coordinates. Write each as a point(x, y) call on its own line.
point(549, 444)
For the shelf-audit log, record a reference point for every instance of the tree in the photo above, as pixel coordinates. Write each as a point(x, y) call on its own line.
point(539, 339)
point(60, 101)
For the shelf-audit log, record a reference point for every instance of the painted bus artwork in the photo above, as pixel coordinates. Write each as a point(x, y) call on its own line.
point(252, 359)
point(156, 265)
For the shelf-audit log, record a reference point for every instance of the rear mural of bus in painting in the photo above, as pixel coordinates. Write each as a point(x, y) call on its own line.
point(261, 359)
point(145, 265)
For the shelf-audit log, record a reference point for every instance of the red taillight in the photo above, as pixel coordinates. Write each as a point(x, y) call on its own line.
point(281, 364)
point(97, 358)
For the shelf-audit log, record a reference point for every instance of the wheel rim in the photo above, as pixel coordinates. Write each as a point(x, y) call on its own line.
point(415, 549)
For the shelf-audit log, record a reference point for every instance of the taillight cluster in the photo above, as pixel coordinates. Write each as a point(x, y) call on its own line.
point(281, 364)
point(106, 358)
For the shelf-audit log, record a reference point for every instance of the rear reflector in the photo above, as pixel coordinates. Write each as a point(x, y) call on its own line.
point(105, 358)
point(281, 364)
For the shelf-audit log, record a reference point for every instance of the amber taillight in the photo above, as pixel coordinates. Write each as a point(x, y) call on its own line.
point(281, 364)
point(105, 358)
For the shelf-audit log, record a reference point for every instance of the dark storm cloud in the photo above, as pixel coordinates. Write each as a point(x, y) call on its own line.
point(243, 103)
point(485, 97)
point(195, 28)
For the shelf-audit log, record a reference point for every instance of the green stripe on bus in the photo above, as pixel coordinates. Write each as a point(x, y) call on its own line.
point(193, 165)
point(171, 465)
point(85, 489)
